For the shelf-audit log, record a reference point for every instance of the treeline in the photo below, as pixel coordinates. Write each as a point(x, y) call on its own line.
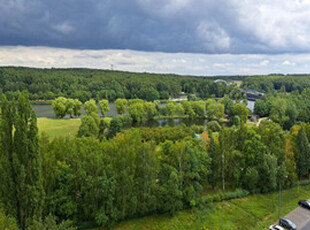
point(84, 84)
point(138, 172)
point(281, 83)
point(286, 109)
point(139, 111)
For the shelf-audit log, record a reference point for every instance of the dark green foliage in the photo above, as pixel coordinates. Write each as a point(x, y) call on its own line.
point(212, 153)
point(84, 84)
point(214, 126)
point(22, 191)
point(116, 126)
point(89, 127)
point(237, 121)
point(63, 106)
point(7, 223)
point(303, 154)
point(50, 223)
point(238, 193)
point(277, 82)
point(104, 106)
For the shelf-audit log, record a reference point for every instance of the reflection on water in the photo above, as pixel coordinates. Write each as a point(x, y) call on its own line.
point(47, 111)
point(172, 122)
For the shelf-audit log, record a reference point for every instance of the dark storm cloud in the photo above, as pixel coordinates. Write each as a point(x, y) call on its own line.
point(199, 26)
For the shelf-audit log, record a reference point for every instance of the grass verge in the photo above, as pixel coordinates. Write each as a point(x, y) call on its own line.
point(253, 212)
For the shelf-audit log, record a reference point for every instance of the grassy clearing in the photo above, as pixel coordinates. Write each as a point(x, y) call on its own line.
point(59, 127)
point(253, 212)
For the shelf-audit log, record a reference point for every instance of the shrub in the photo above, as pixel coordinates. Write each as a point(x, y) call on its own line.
point(214, 126)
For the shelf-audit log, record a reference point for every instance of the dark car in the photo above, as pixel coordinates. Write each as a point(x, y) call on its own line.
point(304, 203)
point(286, 223)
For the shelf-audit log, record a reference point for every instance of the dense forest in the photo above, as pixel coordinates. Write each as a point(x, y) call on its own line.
point(283, 83)
point(84, 84)
point(111, 172)
point(135, 172)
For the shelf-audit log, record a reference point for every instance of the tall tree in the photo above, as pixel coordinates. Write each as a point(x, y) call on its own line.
point(90, 107)
point(121, 105)
point(104, 106)
point(24, 160)
point(303, 154)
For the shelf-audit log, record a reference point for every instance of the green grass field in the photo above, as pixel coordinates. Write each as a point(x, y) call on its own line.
point(253, 212)
point(59, 127)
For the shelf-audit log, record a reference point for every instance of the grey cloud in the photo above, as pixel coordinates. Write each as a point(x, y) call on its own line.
point(194, 26)
point(158, 62)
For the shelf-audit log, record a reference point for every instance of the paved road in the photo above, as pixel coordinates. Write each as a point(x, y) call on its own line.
point(301, 217)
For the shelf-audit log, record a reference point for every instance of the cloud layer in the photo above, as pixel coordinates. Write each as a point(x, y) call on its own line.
point(193, 26)
point(157, 62)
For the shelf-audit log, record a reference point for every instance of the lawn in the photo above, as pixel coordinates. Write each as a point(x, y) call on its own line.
point(253, 212)
point(59, 127)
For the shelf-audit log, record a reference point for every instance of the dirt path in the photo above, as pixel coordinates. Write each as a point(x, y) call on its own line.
point(260, 120)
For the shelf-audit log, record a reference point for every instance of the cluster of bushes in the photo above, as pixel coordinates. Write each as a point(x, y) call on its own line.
point(238, 193)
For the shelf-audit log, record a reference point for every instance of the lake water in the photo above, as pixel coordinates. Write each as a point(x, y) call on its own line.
point(47, 111)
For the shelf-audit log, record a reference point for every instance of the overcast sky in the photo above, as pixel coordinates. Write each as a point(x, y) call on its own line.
point(204, 37)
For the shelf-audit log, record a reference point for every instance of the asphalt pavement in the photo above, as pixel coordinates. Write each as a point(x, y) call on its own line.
point(301, 217)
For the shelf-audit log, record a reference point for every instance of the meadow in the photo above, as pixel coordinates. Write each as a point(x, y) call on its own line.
point(253, 212)
point(58, 127)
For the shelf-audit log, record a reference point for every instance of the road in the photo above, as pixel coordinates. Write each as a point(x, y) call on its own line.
point(301, 217)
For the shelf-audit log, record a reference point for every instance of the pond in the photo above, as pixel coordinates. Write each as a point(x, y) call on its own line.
point(47, 111)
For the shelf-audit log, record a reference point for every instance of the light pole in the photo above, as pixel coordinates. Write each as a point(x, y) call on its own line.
point(227, 205)
point(280, 194)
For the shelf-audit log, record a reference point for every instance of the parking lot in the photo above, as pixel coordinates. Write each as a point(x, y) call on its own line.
point(301, 217)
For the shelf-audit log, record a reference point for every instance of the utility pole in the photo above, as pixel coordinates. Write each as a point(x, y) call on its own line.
point(223, 176)
point(222, 206)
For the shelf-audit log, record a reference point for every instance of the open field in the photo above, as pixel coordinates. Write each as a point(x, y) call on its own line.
point(59, 127)
point(253, 212)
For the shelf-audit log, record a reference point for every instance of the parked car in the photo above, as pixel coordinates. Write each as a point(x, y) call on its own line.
point(286, 223)
point(275, 227)
point(304, 203)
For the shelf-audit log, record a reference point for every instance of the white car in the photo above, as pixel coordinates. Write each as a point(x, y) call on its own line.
point(275, 227)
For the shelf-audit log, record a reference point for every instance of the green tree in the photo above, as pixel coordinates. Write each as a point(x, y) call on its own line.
point(199, 108)
point(7, 223)
point(120, 105)
point(149, 110)
point(115, 127)
point(88, 128)
point(241, 111)
point(303, 154)
point(70, 103)
point(50, 223)
point(90, 107)
point(77, 107)
point(23, 161)
point(188, 110)
point(104, 106)
point(60, 107)
point(136, 112)
point(278, 111)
